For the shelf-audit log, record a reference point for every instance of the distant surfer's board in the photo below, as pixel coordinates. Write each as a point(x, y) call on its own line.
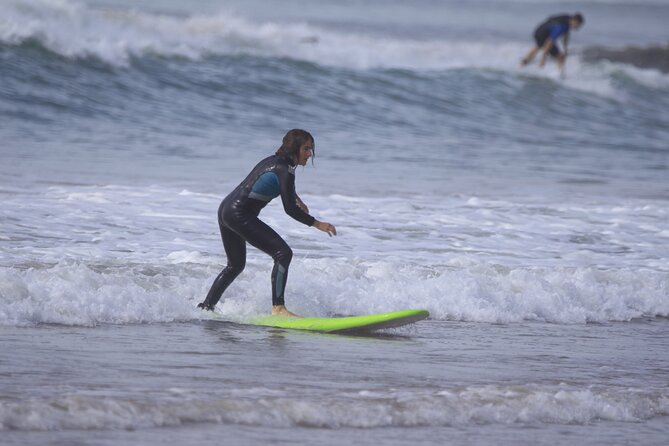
point(350, 324)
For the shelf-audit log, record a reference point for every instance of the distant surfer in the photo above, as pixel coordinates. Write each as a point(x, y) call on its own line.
point(239, 222)
point(547, 35)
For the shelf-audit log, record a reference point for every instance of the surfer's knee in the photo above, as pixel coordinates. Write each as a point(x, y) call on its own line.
point(283, 255)
point(236, 268)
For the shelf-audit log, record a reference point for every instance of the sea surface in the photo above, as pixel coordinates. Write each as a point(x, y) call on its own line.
point(528, 212)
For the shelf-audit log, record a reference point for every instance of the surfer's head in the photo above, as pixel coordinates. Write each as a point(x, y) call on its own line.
point(298, 146)
point(577, 21)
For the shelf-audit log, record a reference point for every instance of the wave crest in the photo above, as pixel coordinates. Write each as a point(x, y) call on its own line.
point(482, 405)
point(74, 293)
point(116, 36)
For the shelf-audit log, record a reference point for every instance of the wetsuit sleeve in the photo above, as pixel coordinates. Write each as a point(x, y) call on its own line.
point(289, 199)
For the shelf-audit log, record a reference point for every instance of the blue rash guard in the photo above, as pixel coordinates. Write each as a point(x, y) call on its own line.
point(239, 223)
point(553, 28)
point(557, 30)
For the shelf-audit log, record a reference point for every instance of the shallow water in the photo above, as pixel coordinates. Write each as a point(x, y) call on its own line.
point(207, 381)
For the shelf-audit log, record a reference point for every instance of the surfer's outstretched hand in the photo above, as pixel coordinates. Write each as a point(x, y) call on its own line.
point(325, 227)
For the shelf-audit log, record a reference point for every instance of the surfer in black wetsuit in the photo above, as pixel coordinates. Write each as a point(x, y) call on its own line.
point(239, 222)
point(546, 37)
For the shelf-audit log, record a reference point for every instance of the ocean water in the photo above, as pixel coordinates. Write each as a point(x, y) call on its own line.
point(527, 212)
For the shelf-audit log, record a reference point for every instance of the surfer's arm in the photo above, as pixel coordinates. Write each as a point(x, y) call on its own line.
point(291, 204)
point(301, 204)
point(289, 199)
point(562, 57)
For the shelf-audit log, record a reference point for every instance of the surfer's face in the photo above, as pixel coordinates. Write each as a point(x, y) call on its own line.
point(306, 152)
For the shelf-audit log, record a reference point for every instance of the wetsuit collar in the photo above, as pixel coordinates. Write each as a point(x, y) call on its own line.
point(289, 160)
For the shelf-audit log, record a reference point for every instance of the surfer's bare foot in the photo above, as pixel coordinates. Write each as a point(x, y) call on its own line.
point(281, 310)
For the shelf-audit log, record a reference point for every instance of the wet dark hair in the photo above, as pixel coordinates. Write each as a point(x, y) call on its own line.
point(579, 18)
point(292, 141)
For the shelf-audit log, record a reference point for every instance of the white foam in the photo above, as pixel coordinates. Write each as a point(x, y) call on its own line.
point(115, 36)
point(124, 258)
point(482, 405)
point(78, 294)
point(185, 257)
point(75, 30)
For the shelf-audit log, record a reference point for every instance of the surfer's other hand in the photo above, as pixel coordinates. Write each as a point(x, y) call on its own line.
point(325, 227)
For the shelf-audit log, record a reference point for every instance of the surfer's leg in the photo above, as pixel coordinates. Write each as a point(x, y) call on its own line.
point(268, 241)
point(235, 249)
point(530, 55)
point(540, 36)
point(555, 51)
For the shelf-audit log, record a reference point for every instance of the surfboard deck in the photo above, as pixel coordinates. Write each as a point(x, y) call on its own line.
point(349, 324)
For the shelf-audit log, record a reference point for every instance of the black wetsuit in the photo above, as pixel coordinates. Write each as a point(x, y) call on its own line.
point(239, 223)
point(552, 28)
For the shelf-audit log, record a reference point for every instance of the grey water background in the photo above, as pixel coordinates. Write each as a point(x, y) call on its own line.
point(526, 212)
point(439, 383)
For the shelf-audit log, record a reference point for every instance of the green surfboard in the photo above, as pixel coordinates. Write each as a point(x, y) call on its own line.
point(350, 324)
